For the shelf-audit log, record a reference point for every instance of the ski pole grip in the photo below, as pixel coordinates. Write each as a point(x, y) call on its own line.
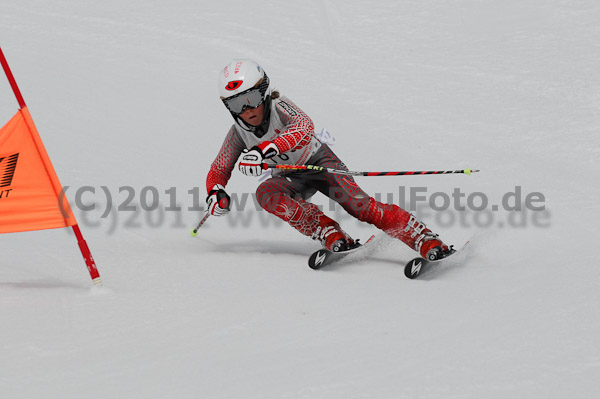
point(223, 200)
point(224, 203)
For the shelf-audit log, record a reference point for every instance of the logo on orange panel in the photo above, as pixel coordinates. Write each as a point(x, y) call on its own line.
point(8, 165)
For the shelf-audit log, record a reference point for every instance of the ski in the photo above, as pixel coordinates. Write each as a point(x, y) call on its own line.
point(324, 257)
point(415, 267)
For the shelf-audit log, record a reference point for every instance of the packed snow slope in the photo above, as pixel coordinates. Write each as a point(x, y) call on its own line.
point(124, 96)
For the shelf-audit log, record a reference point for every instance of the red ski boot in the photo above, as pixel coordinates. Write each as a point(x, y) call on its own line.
point(332, 236)
point(425, 241)
point(432, 248)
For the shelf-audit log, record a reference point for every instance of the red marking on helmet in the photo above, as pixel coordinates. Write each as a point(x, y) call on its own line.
point(234, 84)
point(238, 66)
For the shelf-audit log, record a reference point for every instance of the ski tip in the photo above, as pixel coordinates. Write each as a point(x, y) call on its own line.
point(318, 259)
point(370, 239)
point(414, 267)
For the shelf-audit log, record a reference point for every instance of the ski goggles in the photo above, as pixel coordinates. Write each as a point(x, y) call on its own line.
point(250, 98)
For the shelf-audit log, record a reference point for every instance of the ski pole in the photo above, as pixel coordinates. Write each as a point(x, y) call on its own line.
point(353, 173)
point(194, 232)
point(223, 203)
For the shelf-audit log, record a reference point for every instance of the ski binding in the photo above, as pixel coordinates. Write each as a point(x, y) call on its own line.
point(415, 267)
point(324, 257)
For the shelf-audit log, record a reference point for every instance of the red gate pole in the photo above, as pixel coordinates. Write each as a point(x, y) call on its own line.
point(83, 247)
point(87, 256)
point(11, 80)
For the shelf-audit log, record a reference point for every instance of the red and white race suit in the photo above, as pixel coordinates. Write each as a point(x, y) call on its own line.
point(290, 129)
point(285, 195)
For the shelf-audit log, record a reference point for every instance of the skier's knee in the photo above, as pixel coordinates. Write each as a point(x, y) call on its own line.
point(271, 200)
point(357, 205)
point(338, 194)
point(264, 198)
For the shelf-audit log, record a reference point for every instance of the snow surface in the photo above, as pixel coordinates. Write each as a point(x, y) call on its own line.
point(124, 94)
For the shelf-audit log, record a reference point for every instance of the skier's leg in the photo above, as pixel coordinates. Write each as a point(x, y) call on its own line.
point(390, 218)
point(286, 199)
point(400, 224)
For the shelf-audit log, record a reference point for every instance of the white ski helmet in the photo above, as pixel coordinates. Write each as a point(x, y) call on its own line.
point(243, 84)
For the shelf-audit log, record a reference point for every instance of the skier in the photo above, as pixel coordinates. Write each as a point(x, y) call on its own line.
point(270, 128)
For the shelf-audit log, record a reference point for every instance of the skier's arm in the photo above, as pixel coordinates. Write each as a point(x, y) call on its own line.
point(220, 170)
point(299, 130)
